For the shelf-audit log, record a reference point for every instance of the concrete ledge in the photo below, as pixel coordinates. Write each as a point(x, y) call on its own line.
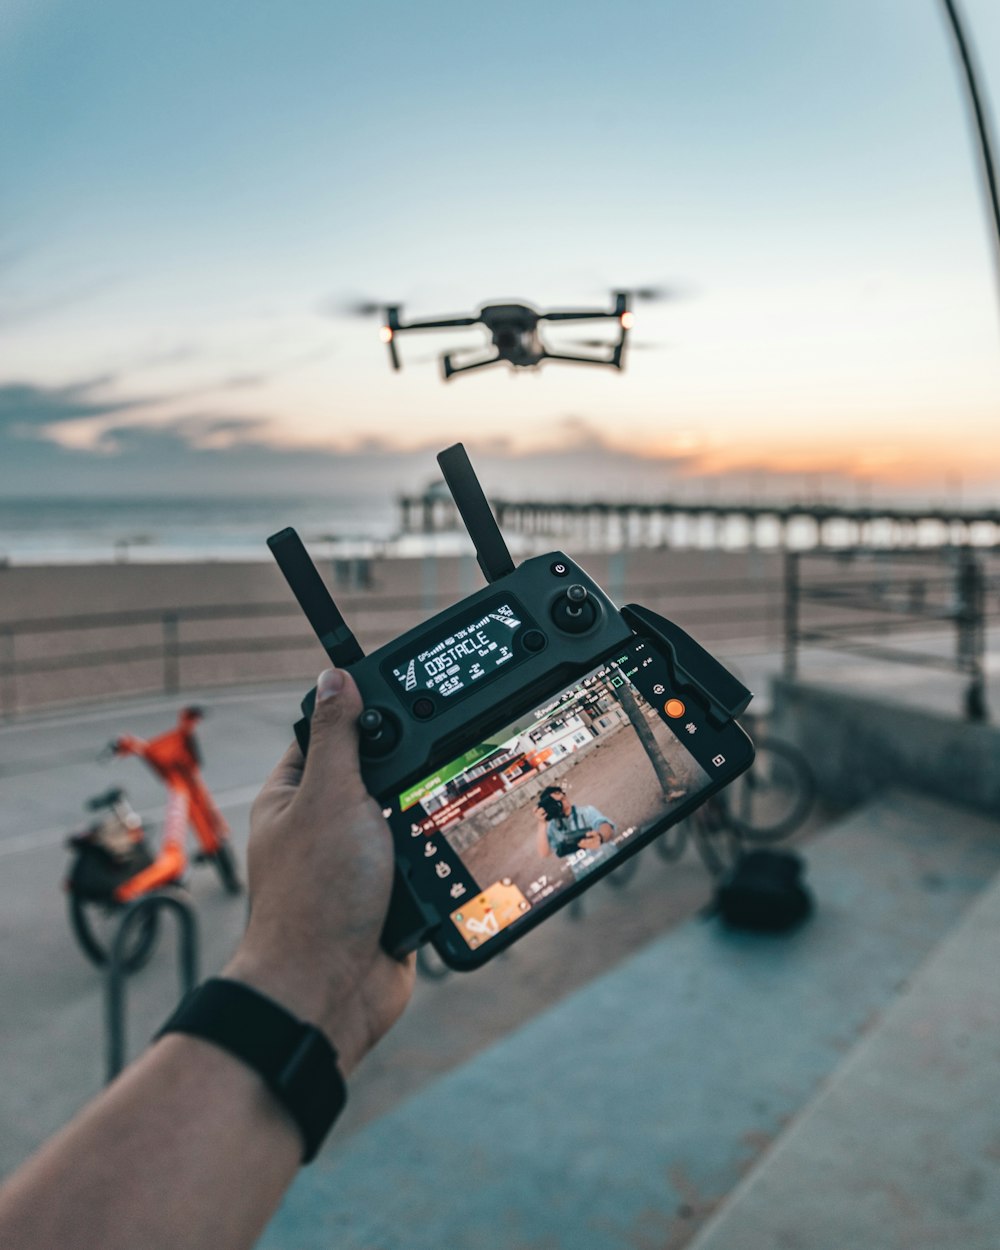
point(858, 746)
point(624, 1115)
point(900, 1150)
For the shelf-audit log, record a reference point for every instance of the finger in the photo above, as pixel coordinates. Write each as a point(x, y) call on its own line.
point(332, 768)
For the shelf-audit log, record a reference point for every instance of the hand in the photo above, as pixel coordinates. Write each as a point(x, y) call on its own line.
point(320, 865)
point(590, 842)
point(541, 815)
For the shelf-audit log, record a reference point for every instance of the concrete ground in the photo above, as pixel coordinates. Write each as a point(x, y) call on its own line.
point(605, 1084)
point(51, 1004)
point(624, 1116)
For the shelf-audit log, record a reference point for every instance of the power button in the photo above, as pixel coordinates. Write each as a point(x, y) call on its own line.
point(560, 569)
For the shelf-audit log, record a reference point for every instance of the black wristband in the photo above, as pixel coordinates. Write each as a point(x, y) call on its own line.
point(295, 1060)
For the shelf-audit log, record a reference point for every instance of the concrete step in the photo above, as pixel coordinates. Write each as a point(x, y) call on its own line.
point(627, 1113)
point(900, 1150)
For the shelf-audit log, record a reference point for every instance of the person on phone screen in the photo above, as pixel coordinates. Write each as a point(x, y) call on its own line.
point(565, 829)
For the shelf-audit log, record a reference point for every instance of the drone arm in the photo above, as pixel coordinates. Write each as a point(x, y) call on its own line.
point(620, 312)
point(449, 370)
point(444, 323)
point(577, 316)
point(613, 363)
point(393, 326)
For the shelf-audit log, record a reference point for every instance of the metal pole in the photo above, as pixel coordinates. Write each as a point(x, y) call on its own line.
point(970, 640)
point(981, 123)
point(8, 674)
point(791, 614)
point(171, 654)
point(187, 967)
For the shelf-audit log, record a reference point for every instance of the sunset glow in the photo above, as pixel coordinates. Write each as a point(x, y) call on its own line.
point(188, 267)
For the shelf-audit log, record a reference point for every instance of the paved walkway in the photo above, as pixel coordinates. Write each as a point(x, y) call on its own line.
point(900, 1150)
point(51, 1006)
point(624, 1115)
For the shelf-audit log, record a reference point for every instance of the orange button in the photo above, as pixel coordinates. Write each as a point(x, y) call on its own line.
point(674, 707)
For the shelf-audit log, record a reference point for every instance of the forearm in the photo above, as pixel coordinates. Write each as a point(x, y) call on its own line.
point(188, 1148)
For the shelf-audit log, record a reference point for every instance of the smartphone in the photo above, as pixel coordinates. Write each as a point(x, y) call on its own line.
point(501, 837)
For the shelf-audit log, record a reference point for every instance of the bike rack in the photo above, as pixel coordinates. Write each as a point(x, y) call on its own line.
point(187, 967)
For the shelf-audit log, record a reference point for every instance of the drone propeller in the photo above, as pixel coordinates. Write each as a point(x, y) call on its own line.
point(656, 294)
point(598, 343)
point(363, 308)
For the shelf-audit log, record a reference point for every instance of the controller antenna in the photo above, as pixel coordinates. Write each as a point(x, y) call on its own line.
point(474, 509)
point(315, 600)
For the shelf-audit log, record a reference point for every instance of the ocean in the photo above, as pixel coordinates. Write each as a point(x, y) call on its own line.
point(84, 531)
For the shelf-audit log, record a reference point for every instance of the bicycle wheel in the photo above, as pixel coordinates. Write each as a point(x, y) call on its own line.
point(225, 865)
point(672, 842)
point(619, 878)
point(717, 843)
point(774, 796)
point(430, 965)
point(95, 925)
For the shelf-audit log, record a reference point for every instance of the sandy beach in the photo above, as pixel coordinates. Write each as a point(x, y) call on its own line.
point(72, 633)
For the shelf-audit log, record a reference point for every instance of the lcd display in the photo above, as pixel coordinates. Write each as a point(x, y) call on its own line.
point(461, 658)
point(499, 832)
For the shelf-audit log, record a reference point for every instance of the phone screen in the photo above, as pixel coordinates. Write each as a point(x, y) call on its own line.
point(496, 836)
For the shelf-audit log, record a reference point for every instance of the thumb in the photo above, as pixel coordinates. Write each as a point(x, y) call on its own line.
point(332, 765)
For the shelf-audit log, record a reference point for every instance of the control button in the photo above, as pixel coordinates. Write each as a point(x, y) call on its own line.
point(717, 760)
point(442, 869)
point(379, 733)
point(574, 612)
point(533, 640)
point(559, 569)
point(423, 708)
point(659, 688)
point(674, 708)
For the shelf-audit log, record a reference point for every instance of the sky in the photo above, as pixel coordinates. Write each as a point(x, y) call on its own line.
point(193, 196)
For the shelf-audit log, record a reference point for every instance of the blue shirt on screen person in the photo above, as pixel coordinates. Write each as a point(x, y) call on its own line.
point(583, 828)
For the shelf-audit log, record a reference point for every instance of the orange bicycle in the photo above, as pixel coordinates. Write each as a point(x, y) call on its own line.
point(113, 862)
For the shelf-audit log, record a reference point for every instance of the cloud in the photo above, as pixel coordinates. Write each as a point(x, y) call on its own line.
point(31, 409)
point(78, 439)
point(18, 312)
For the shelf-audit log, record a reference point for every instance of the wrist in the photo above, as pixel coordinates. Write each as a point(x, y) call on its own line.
point(335, 1009)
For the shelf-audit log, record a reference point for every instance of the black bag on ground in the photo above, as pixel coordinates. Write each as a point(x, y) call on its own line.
point(765, 892)
point(97, 873)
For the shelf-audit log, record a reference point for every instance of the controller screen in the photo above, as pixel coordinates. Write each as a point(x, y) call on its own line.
point(464, 656)
point(503, 829)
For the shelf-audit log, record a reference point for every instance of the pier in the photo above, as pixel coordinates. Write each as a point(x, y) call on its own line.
point(705, 524)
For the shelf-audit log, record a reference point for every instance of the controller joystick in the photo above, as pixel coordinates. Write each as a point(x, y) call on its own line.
point(574, 612)
point(379, 732)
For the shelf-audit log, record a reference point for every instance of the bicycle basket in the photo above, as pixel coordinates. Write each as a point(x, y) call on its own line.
point(97, 873)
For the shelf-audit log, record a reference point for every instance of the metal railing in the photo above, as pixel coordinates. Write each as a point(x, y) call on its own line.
point(167, 641)
point(894, 607)
point(187, 966)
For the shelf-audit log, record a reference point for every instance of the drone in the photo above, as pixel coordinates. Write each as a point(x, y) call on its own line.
point(515, 330)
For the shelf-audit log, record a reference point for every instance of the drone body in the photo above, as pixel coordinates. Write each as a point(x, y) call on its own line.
point(514, 330)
